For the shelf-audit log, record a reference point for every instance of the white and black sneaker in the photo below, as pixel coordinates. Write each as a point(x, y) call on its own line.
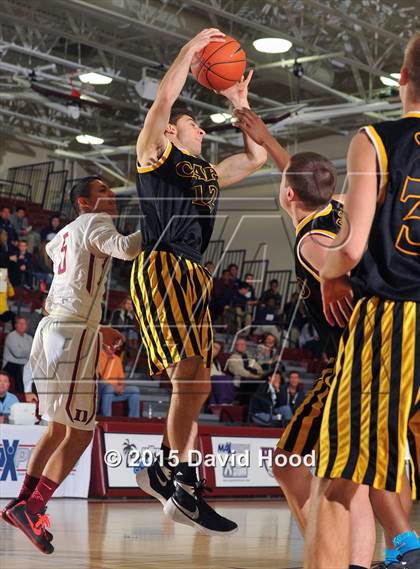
point(156, 481)
point(187, 506)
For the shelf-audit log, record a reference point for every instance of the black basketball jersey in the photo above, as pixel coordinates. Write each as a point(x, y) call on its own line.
point(326, 222)
point(178, 203)
point(390, 268)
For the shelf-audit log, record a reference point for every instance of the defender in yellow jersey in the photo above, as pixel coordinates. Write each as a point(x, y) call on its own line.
point(179, 191)
point(375, 395)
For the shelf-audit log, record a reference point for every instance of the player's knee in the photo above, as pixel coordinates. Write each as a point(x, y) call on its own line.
point(341, 491)
point(282, 469)
point(56, 431)
point(79, 437)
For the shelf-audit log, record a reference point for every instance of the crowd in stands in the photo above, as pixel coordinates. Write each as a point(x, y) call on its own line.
point(245, 368)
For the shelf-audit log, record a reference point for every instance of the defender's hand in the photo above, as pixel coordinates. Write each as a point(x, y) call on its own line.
point(252, 125)
point(337, 300)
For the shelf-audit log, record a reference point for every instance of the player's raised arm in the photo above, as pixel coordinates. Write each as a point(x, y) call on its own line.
point(151, 141)
point(103, 237)
point(239, 166)
point(256, 129)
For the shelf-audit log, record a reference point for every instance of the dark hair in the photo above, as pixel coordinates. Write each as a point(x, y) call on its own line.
point(249, 275)
point(232, 265)
point(294, 371)
point(6, 207)
point(412, 63)
point(81, 190)
point(243, 284)
point(3, 372)
point(274, 281)
point(312, 177)
point(178, 112)
point(20, 208)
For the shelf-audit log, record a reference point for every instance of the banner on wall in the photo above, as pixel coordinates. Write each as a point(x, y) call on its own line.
point(125, 453)
point(16, 445)
point(243, 461)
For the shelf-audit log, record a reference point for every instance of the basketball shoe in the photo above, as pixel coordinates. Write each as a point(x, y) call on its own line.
point(156, 481)
point(4, 515)
point(411, 559)
point(32, 525)
point(187, 506)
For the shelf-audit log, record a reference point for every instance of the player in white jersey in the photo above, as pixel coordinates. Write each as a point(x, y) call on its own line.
point(66, 348)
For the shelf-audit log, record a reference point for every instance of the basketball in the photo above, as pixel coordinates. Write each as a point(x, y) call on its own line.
point(220, 65)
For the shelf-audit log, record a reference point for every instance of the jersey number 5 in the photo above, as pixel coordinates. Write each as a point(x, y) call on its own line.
point(63, 264)
point(404, 242)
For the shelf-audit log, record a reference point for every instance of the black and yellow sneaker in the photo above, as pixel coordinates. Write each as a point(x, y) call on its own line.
point(156, 481)
point(187, 506)
point(4, 515)
point(32, 525)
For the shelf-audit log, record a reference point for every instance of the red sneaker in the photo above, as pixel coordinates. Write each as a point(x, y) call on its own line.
point(5, 517)
point(32, 525)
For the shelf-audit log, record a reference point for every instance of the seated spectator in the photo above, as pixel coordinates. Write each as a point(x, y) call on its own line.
point(209, 266)
point(267, 353)
point(6, 291)
point(53, 227)
point(124, 320)
point(17, 349)
point(247, 373)
point(251, 296)
point(268, 404)
point(20, 267)
point(4, 249)
point(114, 389)
point(43, 268)
point(7, 399)
point(6, 224)
point(295, 393)
point(222, 388)
point(24, 230)
point(267, 320)
point(309, 340)
point(221, 295)
point(272, 292)
point(239, 316)
point(233, 270)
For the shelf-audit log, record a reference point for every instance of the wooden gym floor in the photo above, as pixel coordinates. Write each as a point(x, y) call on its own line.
point(129, 534)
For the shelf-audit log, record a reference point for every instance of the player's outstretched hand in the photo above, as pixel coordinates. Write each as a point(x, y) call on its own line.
point(203, 38)
point(238, 93)
point(31, 398)
point(111, 338)
point(337, 300)
point(252, 125)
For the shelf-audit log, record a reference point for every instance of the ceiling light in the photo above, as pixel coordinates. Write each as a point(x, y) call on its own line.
point(220, 118)
point(385, 80)
point(95, 78)
point(272, 45)
point(89, 139)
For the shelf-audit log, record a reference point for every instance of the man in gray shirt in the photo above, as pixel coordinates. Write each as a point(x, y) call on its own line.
point(17, 349)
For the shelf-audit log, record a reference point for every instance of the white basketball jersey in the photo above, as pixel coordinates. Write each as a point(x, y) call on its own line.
point(81, 253)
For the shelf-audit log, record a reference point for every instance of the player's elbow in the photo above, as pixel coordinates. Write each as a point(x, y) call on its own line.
point(353, 252)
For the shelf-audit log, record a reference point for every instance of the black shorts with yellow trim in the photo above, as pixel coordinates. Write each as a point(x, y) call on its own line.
point(374, 396)
point(171, 297)
point(302, 433)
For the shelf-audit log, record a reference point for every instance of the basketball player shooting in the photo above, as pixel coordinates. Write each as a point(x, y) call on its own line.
point(65, 351)
point(179, 193)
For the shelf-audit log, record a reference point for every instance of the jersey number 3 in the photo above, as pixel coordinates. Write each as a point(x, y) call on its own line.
point(410, 194)
point(63, 264)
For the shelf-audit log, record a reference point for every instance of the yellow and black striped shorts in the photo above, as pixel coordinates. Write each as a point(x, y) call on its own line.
point(171, 298)
point(374, 397)
point(302, 433)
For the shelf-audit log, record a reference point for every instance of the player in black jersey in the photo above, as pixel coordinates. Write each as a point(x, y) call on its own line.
point(306, 195)
point(374, 398)
point(178, 193)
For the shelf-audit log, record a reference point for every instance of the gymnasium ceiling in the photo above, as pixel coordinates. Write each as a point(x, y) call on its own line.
point(344, 47)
